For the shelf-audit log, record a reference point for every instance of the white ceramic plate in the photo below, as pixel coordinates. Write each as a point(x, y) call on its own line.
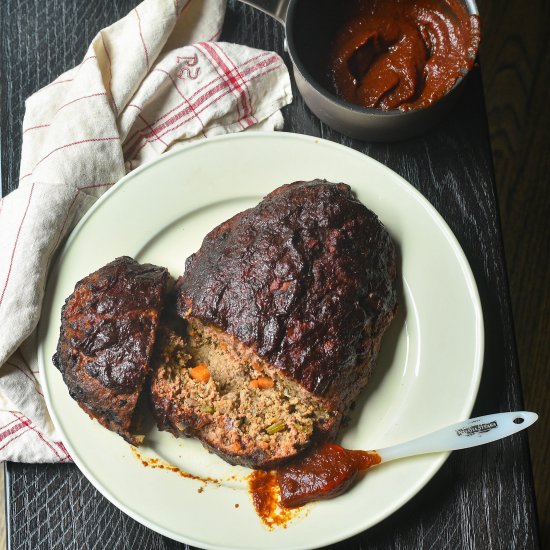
point(427, 377)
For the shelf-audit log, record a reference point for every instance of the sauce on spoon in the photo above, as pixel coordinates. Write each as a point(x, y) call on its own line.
point(325, 472)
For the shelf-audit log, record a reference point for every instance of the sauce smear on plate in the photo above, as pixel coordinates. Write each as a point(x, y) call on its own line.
point(266, 498)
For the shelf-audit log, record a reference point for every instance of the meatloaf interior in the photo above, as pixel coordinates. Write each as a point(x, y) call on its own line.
point(208, 385)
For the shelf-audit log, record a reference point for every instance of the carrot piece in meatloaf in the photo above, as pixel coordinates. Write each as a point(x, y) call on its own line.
point(286, 304)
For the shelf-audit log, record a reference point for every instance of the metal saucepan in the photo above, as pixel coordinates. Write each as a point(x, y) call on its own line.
point(307, 29)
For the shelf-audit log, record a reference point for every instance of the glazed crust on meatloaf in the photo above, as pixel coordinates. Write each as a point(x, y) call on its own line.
point(306, 278)
point(108, 329)
point(304, 281)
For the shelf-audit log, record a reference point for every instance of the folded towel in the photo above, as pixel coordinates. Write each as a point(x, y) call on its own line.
point(151, 82)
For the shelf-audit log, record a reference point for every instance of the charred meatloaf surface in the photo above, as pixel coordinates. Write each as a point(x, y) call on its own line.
point(108, 329)
point(286, 305)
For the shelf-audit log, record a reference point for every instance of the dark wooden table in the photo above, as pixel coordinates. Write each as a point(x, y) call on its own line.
point(481, 498)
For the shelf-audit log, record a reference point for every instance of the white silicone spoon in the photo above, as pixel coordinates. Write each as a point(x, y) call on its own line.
point(333, 482)
point(470, 433)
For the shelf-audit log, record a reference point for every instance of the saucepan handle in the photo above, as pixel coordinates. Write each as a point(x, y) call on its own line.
point(275, 8)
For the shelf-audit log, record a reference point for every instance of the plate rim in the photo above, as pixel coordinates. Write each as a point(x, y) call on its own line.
point(405, 186)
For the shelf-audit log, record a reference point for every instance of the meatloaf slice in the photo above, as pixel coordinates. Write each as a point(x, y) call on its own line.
point(209, 385)
point(108, 329)
point(300, 286)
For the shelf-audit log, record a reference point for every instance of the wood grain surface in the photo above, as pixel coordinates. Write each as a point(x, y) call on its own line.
point(3, 534)
point(481, 498)
point(515, 60)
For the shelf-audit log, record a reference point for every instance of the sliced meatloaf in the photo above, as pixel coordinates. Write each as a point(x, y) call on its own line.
point(108, 329)
point(286, 305)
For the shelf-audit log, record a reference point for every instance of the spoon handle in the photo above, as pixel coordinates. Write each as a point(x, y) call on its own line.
point(470, 433)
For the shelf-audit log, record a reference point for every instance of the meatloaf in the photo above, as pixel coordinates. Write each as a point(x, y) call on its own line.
point(286, 304)
point(108, 329)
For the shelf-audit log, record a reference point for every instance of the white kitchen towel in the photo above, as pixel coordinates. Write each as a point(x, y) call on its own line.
point(149, 83)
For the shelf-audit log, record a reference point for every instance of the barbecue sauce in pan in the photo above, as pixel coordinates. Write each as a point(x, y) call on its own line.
point(401, 54)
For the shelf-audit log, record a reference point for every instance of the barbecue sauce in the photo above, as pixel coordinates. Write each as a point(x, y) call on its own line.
point(266, 498)
point(401, 54)
point(326, 472)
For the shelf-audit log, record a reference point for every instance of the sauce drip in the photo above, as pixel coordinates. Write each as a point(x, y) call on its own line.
point(157, 463)
point(402, 54)
point(326, 472)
